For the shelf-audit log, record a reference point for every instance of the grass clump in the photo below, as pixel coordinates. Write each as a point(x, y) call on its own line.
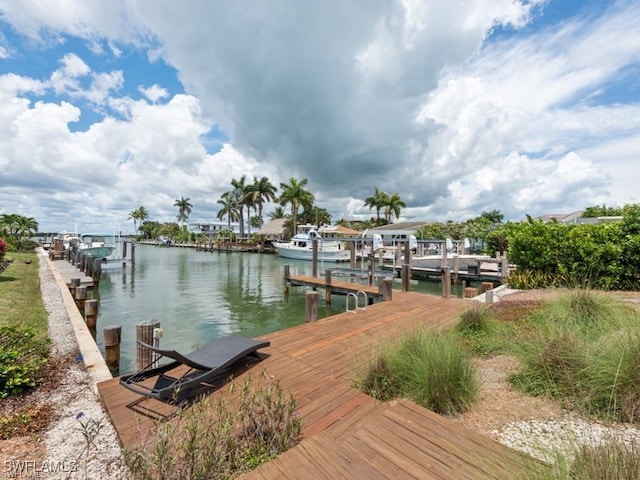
point(429, 368)
point(611, 460)
point(584, 350)
point(221, 438)
point(479, 331)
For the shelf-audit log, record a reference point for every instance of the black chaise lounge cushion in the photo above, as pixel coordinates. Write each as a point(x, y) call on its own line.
point(205, 364)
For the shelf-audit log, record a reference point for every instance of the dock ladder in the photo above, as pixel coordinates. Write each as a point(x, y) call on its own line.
point(356, 297)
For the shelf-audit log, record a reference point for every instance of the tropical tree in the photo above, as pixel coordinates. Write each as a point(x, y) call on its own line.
point(239, 191)
point(27, 226)
point(378, 200)
point(316, 216)
point(277, 213)
point(230, 208)
point(494, 216)
point(392, 206)
point(139, 214)
point(295, 194)
point(184, 209)
point(17, 226)
point(260, 191)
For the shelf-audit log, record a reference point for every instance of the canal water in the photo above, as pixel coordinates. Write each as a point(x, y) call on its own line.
point(200, 296)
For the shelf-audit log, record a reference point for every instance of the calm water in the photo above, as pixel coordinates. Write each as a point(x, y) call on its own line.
point(200, 296)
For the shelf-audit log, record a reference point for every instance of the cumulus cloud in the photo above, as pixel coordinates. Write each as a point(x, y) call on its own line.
point(423, 98)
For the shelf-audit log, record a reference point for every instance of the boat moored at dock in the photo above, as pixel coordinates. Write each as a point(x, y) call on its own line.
point(300, 247)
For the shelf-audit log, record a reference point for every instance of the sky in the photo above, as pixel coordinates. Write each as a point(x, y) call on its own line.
point(459, 106)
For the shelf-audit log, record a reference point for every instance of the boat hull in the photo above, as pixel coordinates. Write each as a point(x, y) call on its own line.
point(285, 251)
point(98, 252)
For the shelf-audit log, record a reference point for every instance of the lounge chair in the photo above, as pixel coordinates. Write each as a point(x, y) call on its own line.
point(203, 367)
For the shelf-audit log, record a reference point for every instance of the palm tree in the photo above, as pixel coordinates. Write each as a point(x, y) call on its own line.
point(9, 224)
point(184, 209)
point(394, 202)
point(239, 191)
point(277, 213)
point(260, 191)
point(140, 214)
point(295, 194)
point(377, 201)
point(26, 226)
point(229, 208)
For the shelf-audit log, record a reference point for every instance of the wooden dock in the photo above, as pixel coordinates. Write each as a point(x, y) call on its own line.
point(336, 286)
point(346, 433)
point(68, 271)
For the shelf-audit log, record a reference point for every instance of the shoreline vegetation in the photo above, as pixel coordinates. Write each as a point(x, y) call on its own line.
point(579, 351)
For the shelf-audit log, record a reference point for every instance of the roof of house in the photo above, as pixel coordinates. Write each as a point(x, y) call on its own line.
point(337, 229)
point(561, 217)
point(274, 227)
point(392, 227)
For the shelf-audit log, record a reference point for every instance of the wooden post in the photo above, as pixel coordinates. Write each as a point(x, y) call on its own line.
point(310, 306)
point(470, 292)
point(446, 282)
point(112, 337)
point(124, 250)
point(133, 255)
point(314, 246)
point(287, 275)
point(97, 271)
point(504, 268)
point(386, 289)
point(144, 333)
point(352, 251)
point(444, 262)
point(456, 267)
point(484, 286)
point(407, 256)
point(327, 290)
point(91, 315)
point(75, 283)
point(81, 297)
point(405, 278)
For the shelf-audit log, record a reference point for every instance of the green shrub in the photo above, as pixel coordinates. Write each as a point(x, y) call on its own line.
point(221, 438)
point(429, 368)
point(21, 360)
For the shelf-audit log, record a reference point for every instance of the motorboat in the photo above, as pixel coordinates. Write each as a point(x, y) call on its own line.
point(88, 244)
point(300, 247)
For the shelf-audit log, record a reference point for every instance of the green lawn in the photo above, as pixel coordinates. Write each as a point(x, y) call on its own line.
point(20, 297)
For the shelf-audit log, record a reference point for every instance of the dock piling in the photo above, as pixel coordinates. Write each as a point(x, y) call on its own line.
point(310, 306)
point(80, 298)
point(144, 333)
point(112, 337)
point(91, 315)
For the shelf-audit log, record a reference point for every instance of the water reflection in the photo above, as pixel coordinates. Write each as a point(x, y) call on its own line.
point(199, 296)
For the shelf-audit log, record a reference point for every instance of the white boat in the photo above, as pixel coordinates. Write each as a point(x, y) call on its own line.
point(300, 247)
point(94, 245)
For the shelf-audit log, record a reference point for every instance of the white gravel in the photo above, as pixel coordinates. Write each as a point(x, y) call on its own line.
point(544, 440)
point(72, 450)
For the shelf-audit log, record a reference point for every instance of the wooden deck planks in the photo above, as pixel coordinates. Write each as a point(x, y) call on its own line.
point(347, 434)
